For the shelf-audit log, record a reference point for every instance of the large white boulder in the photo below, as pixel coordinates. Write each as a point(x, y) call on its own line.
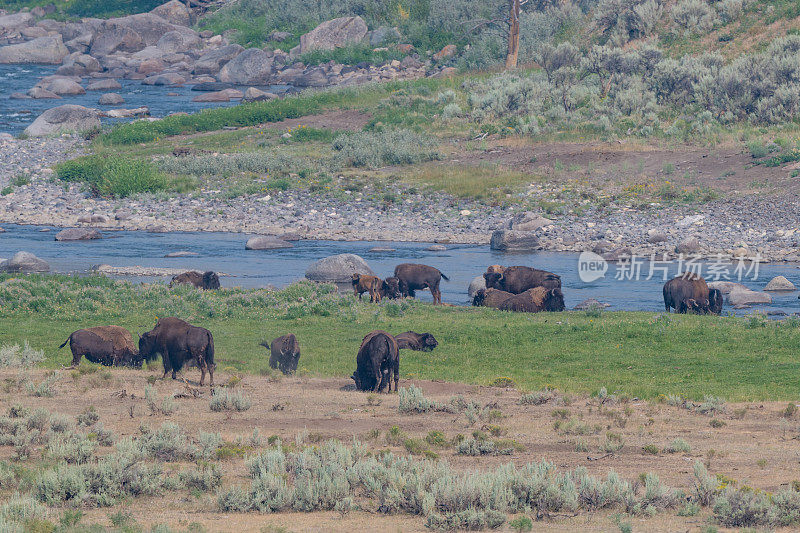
point(47, 50)
point(334, 34)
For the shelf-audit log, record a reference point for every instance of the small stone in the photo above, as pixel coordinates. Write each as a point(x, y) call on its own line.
point(780, 283)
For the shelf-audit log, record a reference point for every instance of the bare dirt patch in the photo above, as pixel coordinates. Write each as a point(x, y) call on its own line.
point(751, 443)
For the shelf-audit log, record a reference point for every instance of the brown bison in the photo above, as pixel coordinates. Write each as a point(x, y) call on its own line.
point(363, 283)
point(378, 358)
point(518, 279)
point(390, 288)
point(414, 277)
point(490, 298)
point(107, 345)
point(208, 281)
point(420, 342)
point(178, 342)
point(284, 353)
point(535, 300)
point(689, 293)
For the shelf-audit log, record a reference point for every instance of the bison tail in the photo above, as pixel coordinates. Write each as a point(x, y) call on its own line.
point(65, 342)
point(443, 276)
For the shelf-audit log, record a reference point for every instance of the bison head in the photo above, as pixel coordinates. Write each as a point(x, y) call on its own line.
point(554, 300)
point(428, 342)
point(147, 347)
point(496, 269)
point(356, 278)
point(210, 281)
point(493, 280)
point(390, 288)
point(715, 301)
point(357, 379)
point(479, 298)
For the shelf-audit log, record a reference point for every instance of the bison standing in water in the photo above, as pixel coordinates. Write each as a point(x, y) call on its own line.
point(518, 279)
point(420, 342)
point(378, 358)
point(414, 277)
point(535, 300)
point(284, 353)
point(208, 281)
point(689, 293)
point(107, 345)
point(178, 342)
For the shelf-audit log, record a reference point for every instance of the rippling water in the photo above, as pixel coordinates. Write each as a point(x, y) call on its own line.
point(225, 252)
point(16, 115)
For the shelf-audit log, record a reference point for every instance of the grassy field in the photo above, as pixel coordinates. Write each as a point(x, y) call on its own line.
point(634, 354)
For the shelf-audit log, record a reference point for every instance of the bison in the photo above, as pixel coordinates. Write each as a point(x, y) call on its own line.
point(689, 293)
point(178, 342)
point(413, 277)
point(284, 353)
point(535, 300)
point(107, 345)
point(363, 283)
point(378, 358)
point(496, 268)
point(390, 288)
point(208, 281)
point(421, 342)
point(518, 279)
point(490, 298)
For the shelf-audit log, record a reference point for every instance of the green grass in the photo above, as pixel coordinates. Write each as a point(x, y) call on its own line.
point(350, 55)
point(470, 181)
point(638, 354)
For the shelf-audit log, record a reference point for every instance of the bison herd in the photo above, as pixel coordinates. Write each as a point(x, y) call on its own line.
point(514, 288)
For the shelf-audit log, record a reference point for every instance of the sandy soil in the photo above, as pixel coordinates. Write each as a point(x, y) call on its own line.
point(754, 446)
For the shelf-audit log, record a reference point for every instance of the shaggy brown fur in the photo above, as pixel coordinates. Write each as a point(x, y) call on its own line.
point(363, 283)
point(490, 298)
point(535, 300)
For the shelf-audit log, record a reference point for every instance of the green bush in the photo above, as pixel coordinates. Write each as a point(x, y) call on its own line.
point(376, 149)
point(225, 400)
point(113, 176)
point(350, 55)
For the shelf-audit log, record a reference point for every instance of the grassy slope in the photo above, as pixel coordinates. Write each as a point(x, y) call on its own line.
point(639, 354)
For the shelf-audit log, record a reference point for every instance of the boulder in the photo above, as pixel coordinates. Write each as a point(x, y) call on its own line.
point(49, 50)
point(256, 95)
point(383, 35)
point(33, 32)
point(111, 99)
point(591, 303)
point(211, 86)
point(252, 67)
point(24, 262)
point(150, 66)
point(78, 64)
point(477, 283)
point(436, 248)
point(279, 36)
point(618, 254)
point(211, 62)
point(62, 86)
point(748, 297)
point(127, 113)
point(690, 245)
point(64, 118)
point(314, 77)
point(131, 33)
point(514, 241)
point(175, 12)
point(182, 254)
point(266, 242)
point(218, 96)
point(15, 22)
point(338, 268)
point(528, 221)
point(780, 283)
point(78, 234)
point(334, 34)
point(23, 96)
point(179, 41)
point(168, 78)
point(40, 93)
point(655, 236)
point(108, 84)
point(446, 52)
point(726, 287)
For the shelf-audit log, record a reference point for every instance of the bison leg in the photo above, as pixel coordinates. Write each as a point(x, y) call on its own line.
point(396, 369)
point(76, 357)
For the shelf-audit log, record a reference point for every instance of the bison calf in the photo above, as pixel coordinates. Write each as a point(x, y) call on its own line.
point(413, 277)
point(208, 281)
point(364, 283)
point(178, 342)
point(421, 342)
point(284, 353)
point(377, 360)
point(535, 300)
point(107, 345)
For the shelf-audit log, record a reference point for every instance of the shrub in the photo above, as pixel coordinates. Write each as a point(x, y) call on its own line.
point(168, 443)
point(679, 446)
point(711, 405)
point(225, 400)
point(477, 447)
point(452, 110)
point(538, 397)
point(413, 401)
point(21, 508)
point(378, 149)
point(206, 478)
point(14, 356)
point(164, 406)
point(88, 417)
point(71, 448)
point(624, 20)
point(208, 444)
point(740, 508)
point(730, 10)
point(45, 388)
point(694, 16)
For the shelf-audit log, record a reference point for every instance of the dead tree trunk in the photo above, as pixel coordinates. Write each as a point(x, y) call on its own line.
point(513, 35)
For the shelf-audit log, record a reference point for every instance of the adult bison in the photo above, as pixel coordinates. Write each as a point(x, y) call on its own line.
point(490, 298)
point(208, 281)
point(689, 293)
point(420, 342)
point(518, 279)
point(413, 277)
point(284, 353)
point(377, 360)
point(107, 345)
point(370, 284)
point(390, 288)
point(535, 300)
point(178, 342)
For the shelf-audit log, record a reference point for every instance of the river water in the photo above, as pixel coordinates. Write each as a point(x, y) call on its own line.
point(224, 252)
point(16, 115)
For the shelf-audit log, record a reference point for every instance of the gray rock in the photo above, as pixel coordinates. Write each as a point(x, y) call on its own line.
point(48, 50)
point(266, 242)
point(107, 84)
point(24, 262)
point(169, 78)
point(15, 22)
point(436, 248)
point(211, 86)
point(182, 254)
point(131, 33)
point(78, 234)
point(175, 12)
point(78, 64)
point(314, 77)
point(257, 95)
point(655, 236)
point(64, 118)
point(514, 241)
point(726, 287)
point(251, 67)
point(780, 283)
point(41, 93)
point(211, 62)
point(279, 36)
point(529, 221)
point(378, 249)
point(62, 86)
point(618, 254)
point(689, 245)
point(338, 268)
point(477, 283)
point(178, 41)
point(383, 35)
point(111, 99)
point(748, 297)
point(590, 304)
point(334, 34)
